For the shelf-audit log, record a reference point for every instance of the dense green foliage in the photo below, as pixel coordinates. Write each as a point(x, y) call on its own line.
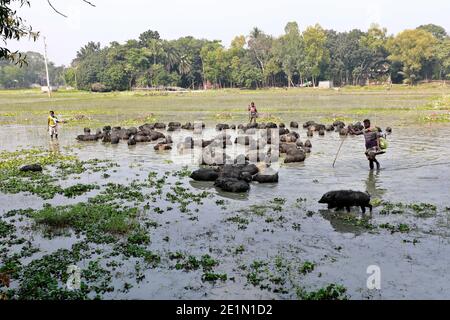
point(13, 27)
point(295, 58)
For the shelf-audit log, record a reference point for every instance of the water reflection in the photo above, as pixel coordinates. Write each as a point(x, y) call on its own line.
point(373, 182)
point(343, 222)
point(53, 146)
point(209, 186)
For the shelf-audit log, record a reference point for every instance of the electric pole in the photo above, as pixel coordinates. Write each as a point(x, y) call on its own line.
point(49, 89)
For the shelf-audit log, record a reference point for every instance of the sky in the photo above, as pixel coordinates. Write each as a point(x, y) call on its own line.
point(119, 20)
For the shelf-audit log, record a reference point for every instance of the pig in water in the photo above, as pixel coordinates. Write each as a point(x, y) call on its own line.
point(345, 199)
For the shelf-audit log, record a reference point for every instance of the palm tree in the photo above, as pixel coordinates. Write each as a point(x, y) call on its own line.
point(156, 49)
point(171, 56)
point(184, 65)
point(255, 33)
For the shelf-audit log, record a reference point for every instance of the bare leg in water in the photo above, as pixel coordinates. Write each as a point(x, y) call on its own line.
point(372, 160)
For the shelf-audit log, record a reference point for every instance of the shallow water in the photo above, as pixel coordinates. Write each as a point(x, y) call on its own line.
point(415, 169)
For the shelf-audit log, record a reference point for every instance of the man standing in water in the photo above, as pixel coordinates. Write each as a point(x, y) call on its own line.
point(52, 123)
point(372, 137)
point(253, 112)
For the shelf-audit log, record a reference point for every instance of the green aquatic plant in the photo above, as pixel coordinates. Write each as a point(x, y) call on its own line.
point(270, 275)
point(44, 184)
point(307, 267)
point(139, 251)
point(6, 229)
point(176, 255)
point(45, 278)
point(78, 189)
point(192, 263)
point(240, 221)
point(330, 292)
point(240, 249)
point(183, 173)
point(376, 202)
point(11, 161)
point(279, 201)
point(139, 236)
point(392, 208)
point(211, 276)
point(358, 222)
point(403, 228)
point(184, 197)
point(119, 191)
point(88, 218)
point(422, 210)
point(296, 226)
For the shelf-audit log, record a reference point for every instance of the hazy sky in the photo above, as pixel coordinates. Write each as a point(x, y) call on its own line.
point(119, 20)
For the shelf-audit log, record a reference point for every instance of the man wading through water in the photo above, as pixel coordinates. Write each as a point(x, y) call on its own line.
point(372, 137)
point(253, 112)
point(52, 123)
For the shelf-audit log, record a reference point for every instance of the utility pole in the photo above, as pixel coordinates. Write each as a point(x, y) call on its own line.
point(49, 89)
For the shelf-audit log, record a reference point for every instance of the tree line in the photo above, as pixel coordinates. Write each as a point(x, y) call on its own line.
point(259, 60)
point(296, 58)
point(31, 73)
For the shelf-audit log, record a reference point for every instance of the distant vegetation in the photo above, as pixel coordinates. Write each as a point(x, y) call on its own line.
point(29, 74)
point(296, 58)
point(260, 60)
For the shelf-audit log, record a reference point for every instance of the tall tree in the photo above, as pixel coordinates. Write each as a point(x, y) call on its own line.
point(289, 51)
point(437, 31)
point(316, 52)
point(260, 46)
point(412, 48)
point(442, 53)
point(145, 37)
point(89, 49)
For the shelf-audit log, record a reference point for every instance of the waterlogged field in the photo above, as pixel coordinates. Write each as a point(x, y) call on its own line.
point(135, 226)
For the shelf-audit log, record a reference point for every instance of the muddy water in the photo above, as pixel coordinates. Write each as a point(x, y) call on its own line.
point(415, 169)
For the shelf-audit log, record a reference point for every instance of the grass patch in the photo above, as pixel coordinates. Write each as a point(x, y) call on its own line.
point(88, 218)
point(240, 221)
point(307, 267)
point(403, 228)
point(6, 229)
point(330, 292)
point(78, 189)
point(210, 276)
point(206, 262)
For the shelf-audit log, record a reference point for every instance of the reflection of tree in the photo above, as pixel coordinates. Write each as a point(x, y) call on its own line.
point(372, 185)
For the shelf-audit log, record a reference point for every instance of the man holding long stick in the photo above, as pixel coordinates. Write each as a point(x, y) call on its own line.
point(372, 137)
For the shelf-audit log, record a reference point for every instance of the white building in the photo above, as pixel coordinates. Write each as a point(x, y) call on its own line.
point(325, 84)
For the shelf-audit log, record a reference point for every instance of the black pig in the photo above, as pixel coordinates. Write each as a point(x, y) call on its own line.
point(345, 199)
